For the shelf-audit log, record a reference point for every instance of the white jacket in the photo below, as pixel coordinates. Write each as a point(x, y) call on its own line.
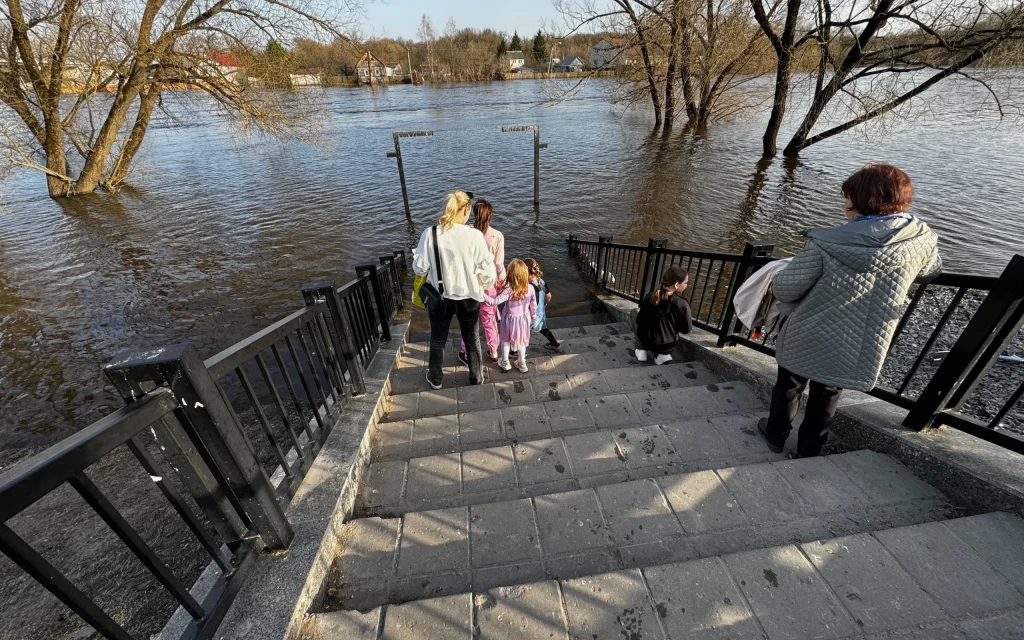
point(466, 262)
point(750, 296)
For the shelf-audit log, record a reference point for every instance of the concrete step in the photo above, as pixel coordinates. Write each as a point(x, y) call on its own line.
point(631, 524)
point(933, 581)
point(541, 384)
point(562, 332)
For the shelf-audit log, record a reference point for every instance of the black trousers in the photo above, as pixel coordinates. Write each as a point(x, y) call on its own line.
point(821, 407)
point(468, 313)
point(550, 336)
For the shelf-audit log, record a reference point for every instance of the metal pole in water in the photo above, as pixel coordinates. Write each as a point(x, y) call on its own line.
point(537, 146)
point(397, 154)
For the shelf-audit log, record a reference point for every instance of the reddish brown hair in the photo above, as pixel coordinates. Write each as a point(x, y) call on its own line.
point(669, 279)
point(879, 189)
point(482, 211)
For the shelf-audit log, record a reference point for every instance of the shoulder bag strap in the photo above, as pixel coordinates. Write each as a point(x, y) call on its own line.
point(437, 259)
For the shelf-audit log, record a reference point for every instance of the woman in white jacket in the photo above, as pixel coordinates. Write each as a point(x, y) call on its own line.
point(467, 269)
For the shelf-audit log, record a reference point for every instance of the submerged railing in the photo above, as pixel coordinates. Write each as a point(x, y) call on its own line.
point(936, 389)
point(227, 441)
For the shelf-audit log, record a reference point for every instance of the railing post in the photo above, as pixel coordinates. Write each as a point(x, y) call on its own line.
point(653, 265)
point(990, 330)
point(371, 269)
point(602, 256)
point(396, 283)
point(752, 253)
point(211, 423)
point(315, 292)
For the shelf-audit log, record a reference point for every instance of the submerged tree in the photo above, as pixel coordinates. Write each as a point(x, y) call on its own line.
point(83, 77)
point(875, 57)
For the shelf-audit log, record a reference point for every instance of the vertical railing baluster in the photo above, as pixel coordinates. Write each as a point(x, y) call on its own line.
point(262, 419)
point(305, 385)
point(344, 331)
point(291, 391)
point(269, 381)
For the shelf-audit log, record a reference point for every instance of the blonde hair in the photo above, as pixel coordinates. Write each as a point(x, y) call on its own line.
point(518, 279)
point(454, 204)
point(534, 268)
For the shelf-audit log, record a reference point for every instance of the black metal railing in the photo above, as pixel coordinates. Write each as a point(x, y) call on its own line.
point(936, 389)
point(227, 441)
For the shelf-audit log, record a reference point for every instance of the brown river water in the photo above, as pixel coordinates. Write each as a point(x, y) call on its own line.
point(219, 231)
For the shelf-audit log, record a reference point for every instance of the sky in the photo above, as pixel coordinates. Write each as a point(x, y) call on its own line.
point(401, 18)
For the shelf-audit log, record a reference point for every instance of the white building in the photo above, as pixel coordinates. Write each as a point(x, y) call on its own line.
point(514, 60)
point(306, 78)
point(394, 70)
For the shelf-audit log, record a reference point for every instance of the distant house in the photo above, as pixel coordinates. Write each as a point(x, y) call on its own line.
point(522, 69)
point(306, 78)
point(370, 69)
point(610, 53)
point(514, 60)
point(571, 65)
point(394, 70)
point(225, 66)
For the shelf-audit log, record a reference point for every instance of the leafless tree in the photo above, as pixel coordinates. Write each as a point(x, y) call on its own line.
point(875, 57)
point(83, 77)
point(427, 37)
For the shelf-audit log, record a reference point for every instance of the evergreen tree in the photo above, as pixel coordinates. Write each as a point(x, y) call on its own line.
point(540, 47)
point(275, 50)
point(517, 44)
point(502, 47)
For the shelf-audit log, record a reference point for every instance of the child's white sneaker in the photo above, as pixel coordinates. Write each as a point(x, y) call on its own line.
point(522, 365)
point(663, 358)
point(641, 355)
point(504, 365)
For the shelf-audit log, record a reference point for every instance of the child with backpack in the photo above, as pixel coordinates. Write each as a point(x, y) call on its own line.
point(543, 295)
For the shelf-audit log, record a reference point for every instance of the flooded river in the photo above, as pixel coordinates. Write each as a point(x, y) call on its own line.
point(219, 231)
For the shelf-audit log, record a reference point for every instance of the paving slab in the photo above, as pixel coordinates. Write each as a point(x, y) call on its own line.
point(764, 493)
point(740, 432)
point(346, 625)
point(593, 454)
point(402, 407)
point(571, 522)
point(653, 407)
point(479, 427)
point(391, 439)
point(488, 470)
point(698, 599)
point(521, 611)
point(437, 403)
point(569, 363)
point(447, 618)
point(514, 392)
point(959, 579)
point(612, 411)
point(478, 397)
point(646, 447)
point(384, 483)
point(589, 383)
point(526, 422)
point(935, 631)
point(787, 596)
point(822, 484)
point(367, 553)
point(992, 536)
point(1004, 626)
point(696, 440)
point(572, 415)
point(637, 512)
point(610, 606)
point(433, 477)
point(542, 462)
point(552, 387)
point(435, 434)
point(702, 503)
point(884, 479)
point(503, 532)
point(434, 541)
point(879, 594)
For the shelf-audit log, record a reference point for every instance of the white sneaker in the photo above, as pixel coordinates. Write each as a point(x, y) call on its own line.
point(663, 358)
point(522, 366)
point(641, 355)
point(431, 382)
point(504, 365)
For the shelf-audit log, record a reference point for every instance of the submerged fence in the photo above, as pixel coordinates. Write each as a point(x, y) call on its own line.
point(943, 388)
point(227, 441)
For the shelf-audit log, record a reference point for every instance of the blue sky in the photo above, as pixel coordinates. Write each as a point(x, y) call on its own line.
point(401, 18)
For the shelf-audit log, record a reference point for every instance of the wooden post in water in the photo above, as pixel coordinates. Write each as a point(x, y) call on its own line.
point(397, 154)
point(537, 146)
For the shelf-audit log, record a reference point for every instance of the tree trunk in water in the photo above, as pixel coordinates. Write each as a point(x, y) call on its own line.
point(670, 79)
point(770, 144)
point(56, 161)
point(92, 172)
point(134, 142)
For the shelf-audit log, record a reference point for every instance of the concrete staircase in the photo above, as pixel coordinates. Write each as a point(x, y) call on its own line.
point(596, 497)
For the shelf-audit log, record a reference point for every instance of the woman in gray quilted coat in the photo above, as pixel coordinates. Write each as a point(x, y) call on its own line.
point(842, 297)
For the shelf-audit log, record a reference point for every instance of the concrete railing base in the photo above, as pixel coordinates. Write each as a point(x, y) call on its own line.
point(975, 475)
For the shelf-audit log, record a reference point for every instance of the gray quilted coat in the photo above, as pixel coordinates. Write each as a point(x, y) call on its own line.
point(843, 296)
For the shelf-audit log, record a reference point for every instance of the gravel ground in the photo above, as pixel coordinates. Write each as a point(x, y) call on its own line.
point(995, 388)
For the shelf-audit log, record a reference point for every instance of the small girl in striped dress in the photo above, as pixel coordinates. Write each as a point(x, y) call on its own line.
point(514, 328)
